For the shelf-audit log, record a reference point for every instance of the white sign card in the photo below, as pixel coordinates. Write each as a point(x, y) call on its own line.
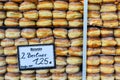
point(36, 57)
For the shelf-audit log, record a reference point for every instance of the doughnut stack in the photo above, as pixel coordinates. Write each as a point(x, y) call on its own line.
point(59, 22)
point(104, 13)
point(45, 13)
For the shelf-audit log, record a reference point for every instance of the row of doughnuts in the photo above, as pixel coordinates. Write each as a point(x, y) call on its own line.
point(98, 76)
point(23, 22)
point(102, 1)
point(60, 76)
point(29, 33)
point(103, 32)
point(47, 5)
point(60, 61)
point(41, 14)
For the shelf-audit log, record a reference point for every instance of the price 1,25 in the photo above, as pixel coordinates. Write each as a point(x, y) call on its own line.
point(41, 61)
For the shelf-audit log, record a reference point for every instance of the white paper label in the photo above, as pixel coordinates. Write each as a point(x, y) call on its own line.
point(36, 57)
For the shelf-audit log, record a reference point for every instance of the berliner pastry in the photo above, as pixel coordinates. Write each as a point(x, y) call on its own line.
point(107, 69)
point(60, 23)
point(117, 67)
point(28, 33)
point(74, 60)
point(107, 32)
point(48, 40)
point(75, 76)
point(14, 14)
point(73, 0)
point(109, 16)
point(1, 51)
point(93, 14)
point(7, 42)
point(12, 76)
point(60, 33)
point(76, 42)
point(44, 23)
point(2, 15)
point(2, 61)
point(109, 1)
point(44, 32)
point(110, 24)
point(1, 6)
point(93, 69)
point(60, 5)
point(93, 32)
point(10, 50)
point(23, 22)
point(11, 22)
point(45, 71)
point(95, 22)
point(116, 33)
point(118, 15)
point(25, 6)
point(106, 59)
point(75, 33)
point(11, 6)
point(108, 8)
point(2, 70)
point(62, 42)
point(117, 59)
point(71, 69)
point(45, 14)
point(93, 76)
point(1, 23)
point(95, 1)
point(2, 33)
point(93, 60)
point(12, 68)
point(93, 51)
point(11, 60)
point(61, 61)
point(117, 76)
point(2, 77)
point(27, 77)
point(108, 42)
point(75, 6)
point(71, 15)
point(43, 77)
point(93, 7)
point(75, 23)
point(21, 41)
point(12, 33)
point(94, 42)
point(32, 15)
point(118, 6)
point(59, 76)
point(107, 76)
point(59, 14)
point(58, 69)
point(61, 51)
point(47, 5)
point(108, 50)
point(28, 72)
point(118, 41)
point(34, 41)
point(75, 51)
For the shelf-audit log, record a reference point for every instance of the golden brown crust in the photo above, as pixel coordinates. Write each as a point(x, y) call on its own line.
point(93, 32)
point(61, 61)
point(14, 14)
point(2, 34)
point(92, 7)
point(2, 15)
point(58, 69)
point(11, 60)
point(25, 6)
point(93, 76)
point(7, 42)
point(1, 23)
point(93, 60)
point(70, 69)
point(60, 33)
point(95, 1)
point(76, 23)
point(105, 32)
point(44, 23)
point(78, 42)
point(93, 51)
point(43, 76)
point(62, 42)
point(75, 76)
point(2, 61)
point(74, 60)
point(45, 14)
point(34, 41)
point(13, 76)
point(60, 23)
point(75, 6)
point(108, 50)
point(93, 69)
point(42, 71)
point(59, 14)
point(75, 51)
point(61, 51)
point(61, 76)
point(109, 16)
point(95, 21)
point(10, 50)
point(2, 70)
point(117, 67)
point(60, 5)
point(12, 68)
point(111, 24)
point(107, 59)
point(27, 76)
point(93, 14)
point(1, 6)
point(117, 59)
point(28, 33)
point(48, 40)
point(44, 32)
point(116, 32)
point(21, 41)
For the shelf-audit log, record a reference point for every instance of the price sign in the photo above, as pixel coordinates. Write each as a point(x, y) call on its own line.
point(36, 57)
